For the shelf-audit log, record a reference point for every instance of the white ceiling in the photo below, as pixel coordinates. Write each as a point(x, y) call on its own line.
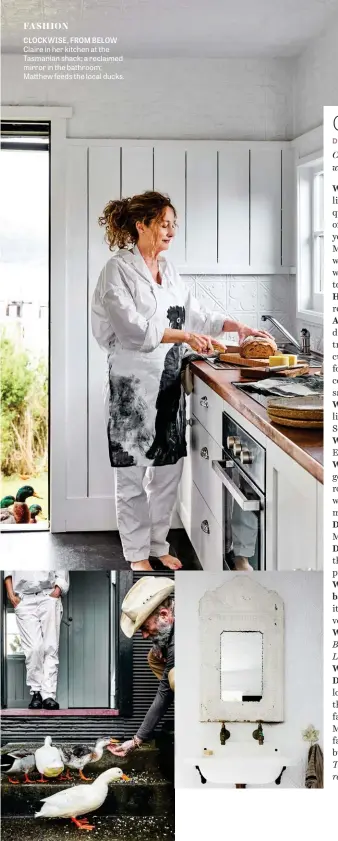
point(181, 28)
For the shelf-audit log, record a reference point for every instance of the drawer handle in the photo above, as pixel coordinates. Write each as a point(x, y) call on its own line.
point(205, 526)
point(204, 402)
point(204, 452)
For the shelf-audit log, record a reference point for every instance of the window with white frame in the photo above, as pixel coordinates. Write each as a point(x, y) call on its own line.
point(310, 267)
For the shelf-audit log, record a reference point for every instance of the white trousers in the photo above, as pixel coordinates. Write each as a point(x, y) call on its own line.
point(39, 618)
point(145, 499)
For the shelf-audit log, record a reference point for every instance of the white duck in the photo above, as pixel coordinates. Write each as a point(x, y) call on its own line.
point(78, 800)
point(48, 760)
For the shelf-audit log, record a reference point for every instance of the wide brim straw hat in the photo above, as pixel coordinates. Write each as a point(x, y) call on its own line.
point(141, 601)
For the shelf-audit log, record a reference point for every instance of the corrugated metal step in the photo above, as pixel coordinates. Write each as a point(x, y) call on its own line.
point(147, 793)
point(106, 829)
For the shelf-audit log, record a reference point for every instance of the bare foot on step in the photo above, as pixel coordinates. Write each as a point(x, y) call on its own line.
point(170, 562)
point(144, 566)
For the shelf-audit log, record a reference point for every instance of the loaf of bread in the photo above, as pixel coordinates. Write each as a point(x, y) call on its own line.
point(258, 347)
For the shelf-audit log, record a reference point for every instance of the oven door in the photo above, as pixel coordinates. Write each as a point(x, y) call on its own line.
point(243, 518)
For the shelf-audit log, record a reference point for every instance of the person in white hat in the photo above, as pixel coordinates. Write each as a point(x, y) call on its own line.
point(149, 607)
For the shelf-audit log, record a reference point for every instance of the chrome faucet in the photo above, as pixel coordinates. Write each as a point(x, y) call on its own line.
point(285, 332)
point(258, 734)
point(224, 734)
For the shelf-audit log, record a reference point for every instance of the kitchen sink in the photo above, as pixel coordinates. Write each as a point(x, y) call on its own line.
point(244, 763)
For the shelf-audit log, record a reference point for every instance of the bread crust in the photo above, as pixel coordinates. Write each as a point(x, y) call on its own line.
point(257, 347)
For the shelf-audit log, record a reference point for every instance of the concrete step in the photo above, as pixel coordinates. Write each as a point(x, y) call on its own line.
point(147, 793)
point(145, 758)
point(106, 829)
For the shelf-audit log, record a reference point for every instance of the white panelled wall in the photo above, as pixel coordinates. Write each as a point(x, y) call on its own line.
point(231, 247)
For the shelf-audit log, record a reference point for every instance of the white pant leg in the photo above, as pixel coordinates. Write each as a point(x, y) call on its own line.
point(244, 525)
point(50, 614)
point(29, 628)
point(132, 511)
point(161, 487)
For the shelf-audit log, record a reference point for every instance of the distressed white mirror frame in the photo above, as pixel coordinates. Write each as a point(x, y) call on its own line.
point(242, 605)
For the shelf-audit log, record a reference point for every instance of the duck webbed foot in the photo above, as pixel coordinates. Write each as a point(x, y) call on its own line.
point(86, 779)
point(82, 824)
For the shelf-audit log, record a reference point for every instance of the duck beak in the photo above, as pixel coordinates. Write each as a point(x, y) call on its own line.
point(125, 778)
point(114, 741)
point(37, 495)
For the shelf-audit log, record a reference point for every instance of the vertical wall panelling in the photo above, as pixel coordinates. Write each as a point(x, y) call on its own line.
point(233, 207)
point(137, 169)
point(202, 204)
point(265, 206)
point(76, 321)
point(288, 207)
point(104, 184)
point(169, 177)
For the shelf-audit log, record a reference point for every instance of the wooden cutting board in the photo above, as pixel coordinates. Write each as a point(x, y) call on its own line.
point(261, 373)
point(237, 359)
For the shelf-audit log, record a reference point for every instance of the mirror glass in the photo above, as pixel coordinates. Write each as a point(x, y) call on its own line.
point(241, 666)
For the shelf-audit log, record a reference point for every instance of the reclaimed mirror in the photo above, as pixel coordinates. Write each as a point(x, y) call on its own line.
point(242, 652)
point(241, 666)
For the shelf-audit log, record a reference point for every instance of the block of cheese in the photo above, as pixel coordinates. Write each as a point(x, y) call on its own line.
point(293, 359)
point(278, 360)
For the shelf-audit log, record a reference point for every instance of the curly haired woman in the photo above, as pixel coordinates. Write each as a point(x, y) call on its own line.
point(144, 317)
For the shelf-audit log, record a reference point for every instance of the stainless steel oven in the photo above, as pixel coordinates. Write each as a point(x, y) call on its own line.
point(242, 474)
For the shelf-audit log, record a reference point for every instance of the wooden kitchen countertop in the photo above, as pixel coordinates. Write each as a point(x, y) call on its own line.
point(303, 445)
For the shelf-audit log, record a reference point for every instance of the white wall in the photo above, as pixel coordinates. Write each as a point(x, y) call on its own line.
point(302, 595)
point(315, 80)
point(182, 98)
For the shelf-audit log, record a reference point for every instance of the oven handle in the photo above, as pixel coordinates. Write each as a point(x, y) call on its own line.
point(244, 503)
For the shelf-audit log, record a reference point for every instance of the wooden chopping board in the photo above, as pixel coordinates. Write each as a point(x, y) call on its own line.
point(261, 373)
point(237, 359)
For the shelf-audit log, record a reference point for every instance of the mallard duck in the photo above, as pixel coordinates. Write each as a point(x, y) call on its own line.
point(48, 760)
point(34, 511)
point(80, 755)
point(20, 512)
point(24, 762)
point(79, 800)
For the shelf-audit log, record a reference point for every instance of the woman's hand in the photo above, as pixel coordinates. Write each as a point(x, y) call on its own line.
point(56, 593)
point(15, 600)
point(199, 342)
point(244, 331)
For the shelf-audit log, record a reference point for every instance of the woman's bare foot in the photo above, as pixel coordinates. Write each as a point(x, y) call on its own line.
point(142, 565)
point(170, 562)
point(242, 563)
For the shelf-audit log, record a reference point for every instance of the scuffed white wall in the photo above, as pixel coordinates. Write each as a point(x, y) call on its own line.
point(302, 596)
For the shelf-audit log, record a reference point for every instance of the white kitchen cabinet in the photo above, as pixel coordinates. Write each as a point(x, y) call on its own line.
point(185, 488)
point(203, 451)
point(292, 523)
point(206, 534)
point(207, 406)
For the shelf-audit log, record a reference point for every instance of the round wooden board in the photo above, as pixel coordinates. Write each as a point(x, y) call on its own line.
point(303, 424)
point(296, 414)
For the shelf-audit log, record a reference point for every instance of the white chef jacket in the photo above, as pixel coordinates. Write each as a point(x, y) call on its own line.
point(130, 312)
point(26, 582)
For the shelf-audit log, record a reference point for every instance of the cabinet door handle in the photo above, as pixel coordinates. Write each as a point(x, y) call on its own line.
point(204, 402)
point(189, 422)
point(204, 452)
point(205, 526)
